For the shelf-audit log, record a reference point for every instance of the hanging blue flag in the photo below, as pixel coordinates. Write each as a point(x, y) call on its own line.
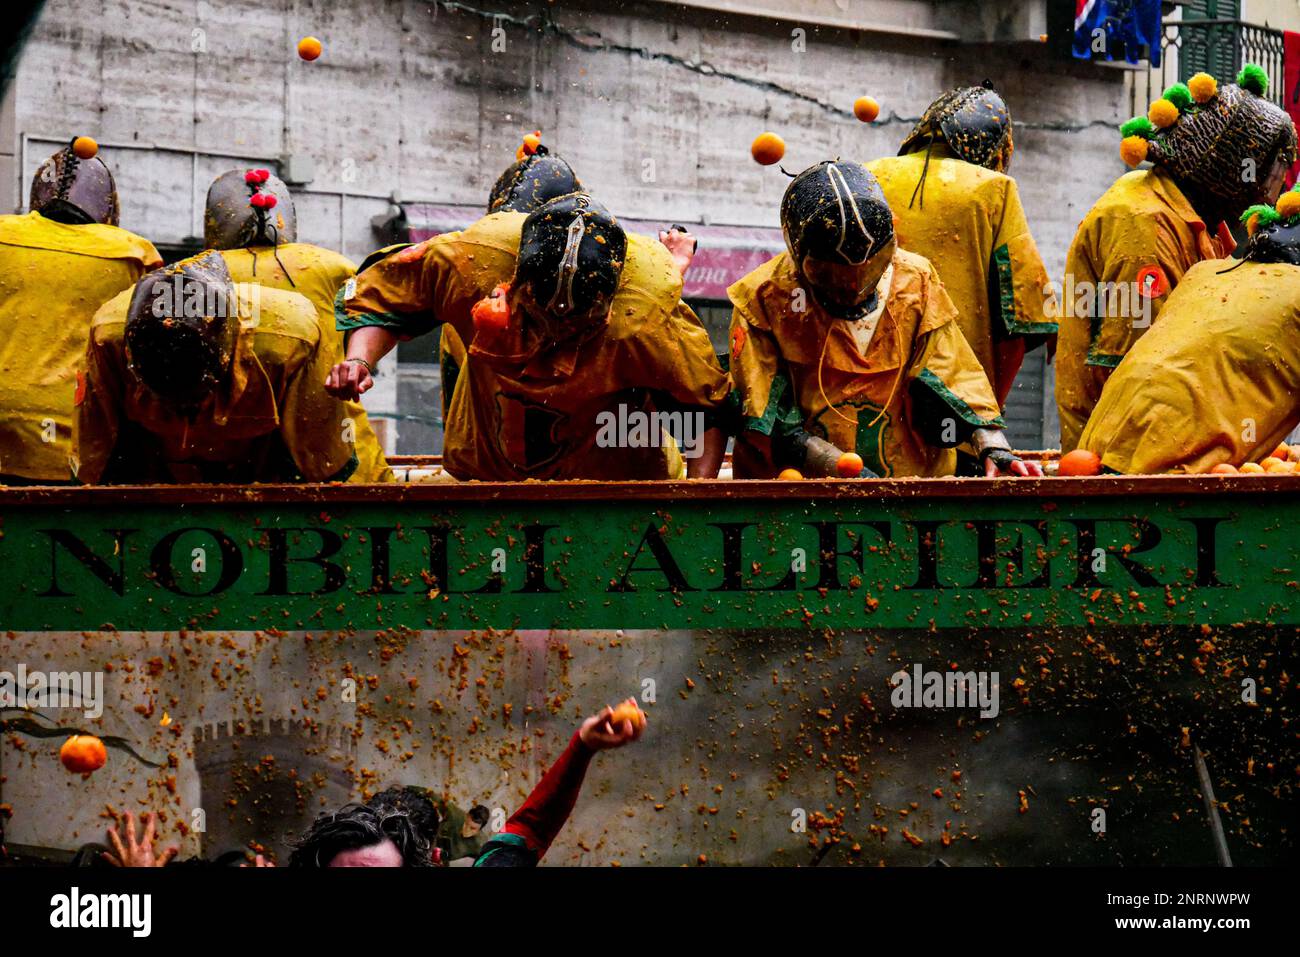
point(1111, 29)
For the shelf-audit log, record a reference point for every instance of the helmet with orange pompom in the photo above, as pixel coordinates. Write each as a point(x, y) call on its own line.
point(536, 179)
point(73, 190)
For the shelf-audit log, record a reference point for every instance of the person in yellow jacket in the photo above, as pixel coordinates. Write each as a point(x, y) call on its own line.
point(250, 218)
point(845, 343)
point(58, 264)
point(1217, 380)
point(531, 181)
point(580, 353)
point(192, 378)
point(954, 204)
point(1215, 151)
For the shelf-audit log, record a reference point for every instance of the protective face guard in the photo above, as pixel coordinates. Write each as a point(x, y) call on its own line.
point(181, 328)
point(571, 255)
point(847, 291)
point(230, 222)
point(70, 190)
point(840, 234)
point(975, 123)
point(1279, 243)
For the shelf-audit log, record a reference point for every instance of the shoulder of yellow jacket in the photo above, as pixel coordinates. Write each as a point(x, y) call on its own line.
point(778, 272)
point(774, 281)
point(279, 312)
point(100, 240)
point(327, 260)
point(653, 254)
point(110, 318)
point(497, 231)
point(906, 263)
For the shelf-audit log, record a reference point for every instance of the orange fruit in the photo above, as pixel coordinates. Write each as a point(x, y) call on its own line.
point(1224, 468)
point(492, 314)
point(627, 711)
point(532, 141)
point(1079, 462)
point(767, 148)
point(866, 109)
point(83, 753)
point(84, 147)
point(1252, 468)
point(1279, 466)
point(309, 48)
point(1269, 462)
point(790, 475)
point(849, 465)
point(1283, 452)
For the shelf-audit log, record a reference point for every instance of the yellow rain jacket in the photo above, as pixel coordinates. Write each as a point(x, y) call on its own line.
point(271, 420)
point(969, 223)
point(917, 384)
point(317, 274)
point(1142, 235)
point(1218, 380)
point(566, 411)
point(52, 279)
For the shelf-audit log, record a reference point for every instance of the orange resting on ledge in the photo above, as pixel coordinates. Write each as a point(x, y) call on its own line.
point(849, 465)
point(790, 475)
point(1079, 462)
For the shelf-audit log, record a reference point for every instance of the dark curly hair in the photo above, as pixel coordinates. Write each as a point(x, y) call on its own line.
point(416, 803)
point(361, 825)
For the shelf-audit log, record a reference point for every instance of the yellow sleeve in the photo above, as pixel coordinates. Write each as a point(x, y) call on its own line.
point(1116, 311)
point(764, 390)
point(409, 291)
point(678, 360)
point(318, 430)
point(1019, 287)
point(98, 403)
point(948, 384)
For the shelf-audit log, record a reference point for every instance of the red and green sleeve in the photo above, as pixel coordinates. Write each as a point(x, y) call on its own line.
point(530, 831)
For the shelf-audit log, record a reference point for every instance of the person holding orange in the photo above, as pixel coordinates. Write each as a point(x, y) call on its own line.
point(534, 179)
point(588, 323)
point(845, 343)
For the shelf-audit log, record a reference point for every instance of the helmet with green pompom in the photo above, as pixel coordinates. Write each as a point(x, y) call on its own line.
point(1274, 230)
point(1220, 139)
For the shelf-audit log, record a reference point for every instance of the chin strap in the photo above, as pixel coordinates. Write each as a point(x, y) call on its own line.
point(920, 184)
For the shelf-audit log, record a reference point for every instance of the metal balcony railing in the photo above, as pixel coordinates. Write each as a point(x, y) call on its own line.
point(1219, 47)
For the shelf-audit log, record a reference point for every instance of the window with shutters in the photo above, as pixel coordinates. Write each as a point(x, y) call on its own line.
point(1211, 47)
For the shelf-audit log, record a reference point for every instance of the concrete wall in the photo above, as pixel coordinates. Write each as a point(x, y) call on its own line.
point(1279, 14)
point(412, 98)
